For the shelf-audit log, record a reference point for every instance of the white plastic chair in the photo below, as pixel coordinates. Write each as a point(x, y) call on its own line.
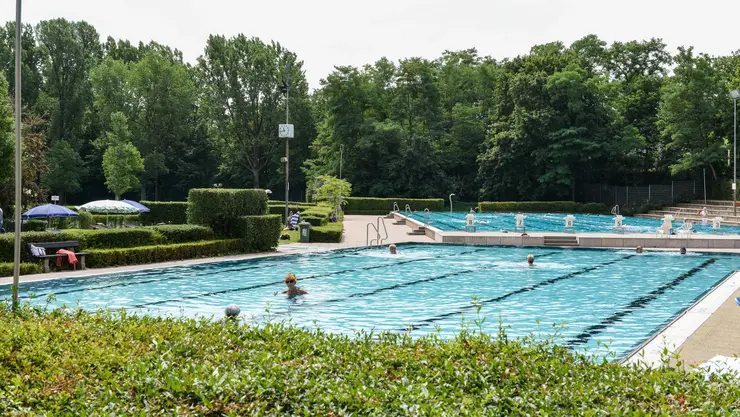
point(665, 229)
point(470, 222)
point(569, 223)
point(520, 223)
point(717, 222)
point(685, 230)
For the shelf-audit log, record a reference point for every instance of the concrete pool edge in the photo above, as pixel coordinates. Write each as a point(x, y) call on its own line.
point(671, 337)
point(579, 239)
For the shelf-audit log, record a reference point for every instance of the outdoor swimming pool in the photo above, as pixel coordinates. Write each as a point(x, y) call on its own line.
point(554, 222)
point(615, 297)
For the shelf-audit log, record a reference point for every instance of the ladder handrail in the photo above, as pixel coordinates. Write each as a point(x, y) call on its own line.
point(407, 209)
point(427, 217)
point(615, 210)
point(367, 233)
point(396, 209)
point(380, 240)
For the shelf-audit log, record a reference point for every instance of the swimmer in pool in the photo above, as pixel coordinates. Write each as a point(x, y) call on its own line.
point(392, 249)
point(638, 249)
point(290, 281)
point(682, 250)
point(530, 259)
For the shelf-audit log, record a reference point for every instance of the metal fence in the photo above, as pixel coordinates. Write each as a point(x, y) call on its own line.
point(611, 195)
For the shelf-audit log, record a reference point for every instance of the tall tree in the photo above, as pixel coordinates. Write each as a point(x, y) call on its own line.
point(73, 49)
point(6, 132)
point(66, 170)
point(122, 162)
point(32, 61)
point(242, 79)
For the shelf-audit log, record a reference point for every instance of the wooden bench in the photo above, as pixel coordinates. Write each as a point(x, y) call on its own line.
point(71, 245)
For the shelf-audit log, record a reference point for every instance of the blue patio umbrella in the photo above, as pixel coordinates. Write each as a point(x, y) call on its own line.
point(48, 210)
point(142, 208)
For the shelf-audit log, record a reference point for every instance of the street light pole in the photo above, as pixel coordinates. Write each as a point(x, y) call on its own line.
point(735, 94)
point(287, 138)
point(18, 89)
point(341, 158)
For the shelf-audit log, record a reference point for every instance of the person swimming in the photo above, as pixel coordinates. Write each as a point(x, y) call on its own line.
point(290, 281)
point(530, 259)
point(682, 251)
point(638, 249)
point(392, 249)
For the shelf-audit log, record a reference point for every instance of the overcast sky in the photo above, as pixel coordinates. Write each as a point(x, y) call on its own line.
point(325, 33)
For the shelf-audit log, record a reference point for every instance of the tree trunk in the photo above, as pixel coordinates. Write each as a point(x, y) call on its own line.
point(256, 176)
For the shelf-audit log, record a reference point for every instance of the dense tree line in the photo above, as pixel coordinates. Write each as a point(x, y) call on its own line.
point(536, 126)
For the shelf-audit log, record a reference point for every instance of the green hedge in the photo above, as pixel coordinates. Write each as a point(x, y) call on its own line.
point(331, 233)
point(34, 225)
point(6, 269)
point(542, 207)
point(85, 220)
point(114, 238)
point(181, 233)
point(290, 203)
point(101, 258)
point(371, 205)
point(260, 233)
point(216, 207)
point(116, 220)
point(171, 212)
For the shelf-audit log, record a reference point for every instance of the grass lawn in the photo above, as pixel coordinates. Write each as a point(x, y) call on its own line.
point(295, 237)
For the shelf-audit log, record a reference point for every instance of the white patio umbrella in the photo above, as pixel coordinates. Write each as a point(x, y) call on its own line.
point(109, 207)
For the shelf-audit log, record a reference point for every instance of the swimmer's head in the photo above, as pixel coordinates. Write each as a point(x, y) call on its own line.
point(683, 250)
point(392, 249)
point(530, 259)
point(638, 249)
point(290, 279)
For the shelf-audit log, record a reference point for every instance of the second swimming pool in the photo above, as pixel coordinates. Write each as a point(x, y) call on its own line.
point(617, 298)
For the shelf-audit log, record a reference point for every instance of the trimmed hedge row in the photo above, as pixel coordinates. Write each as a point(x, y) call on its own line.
point(216, 207)
point(101, 258)
point(105, 239)
point(116, 220)
point(331, 233)
point(172, 212)
point(290, 203)
point(363, 205)
point(6, 269)
point(542, 207)
point(259, 233)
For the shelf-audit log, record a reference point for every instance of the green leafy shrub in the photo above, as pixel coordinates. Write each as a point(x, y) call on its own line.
point(331, 233)
point(101, 258)
point(371, 205)
point(124, 364)
point(171, 212)
point(216, 207)
point(314, 220)
point(542, 207)
point(260, 233)
point(290, 203)
point(85, 220)
point(181, 233)
point(34, 225)
point(6, 269)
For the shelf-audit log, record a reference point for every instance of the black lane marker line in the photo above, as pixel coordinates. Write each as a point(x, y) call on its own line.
point(252, 287)
point(635, 305)
point(428, 322)
point(404, 284)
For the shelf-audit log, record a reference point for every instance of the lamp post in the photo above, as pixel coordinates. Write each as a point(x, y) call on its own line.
point(286, 131)
point(17, 248)
point(735, 94)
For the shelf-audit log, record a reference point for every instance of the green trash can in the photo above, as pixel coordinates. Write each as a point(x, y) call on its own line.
point(305, 228)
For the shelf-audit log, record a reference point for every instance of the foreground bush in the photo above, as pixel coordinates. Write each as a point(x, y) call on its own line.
point(102, 258)
point(6, 269)
point(543, 207)
point(78, 363)
point(371, 205)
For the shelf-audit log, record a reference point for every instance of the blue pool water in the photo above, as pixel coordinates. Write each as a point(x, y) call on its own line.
point(601, 296)
point(554, 222)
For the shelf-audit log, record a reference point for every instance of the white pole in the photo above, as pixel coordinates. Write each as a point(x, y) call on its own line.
point(287, 150)
point(341, 158)
point(734, 157)
point(18, 89)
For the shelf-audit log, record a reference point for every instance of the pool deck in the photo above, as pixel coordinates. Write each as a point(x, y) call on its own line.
point(710, 327)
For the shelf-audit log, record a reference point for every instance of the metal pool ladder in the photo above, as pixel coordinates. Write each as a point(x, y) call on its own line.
point(378, 240)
